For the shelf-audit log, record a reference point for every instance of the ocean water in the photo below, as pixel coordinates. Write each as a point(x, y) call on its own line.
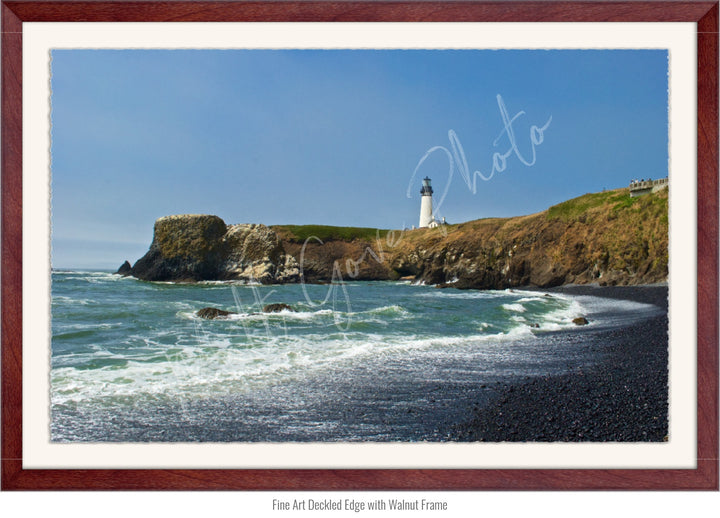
point(359, 361)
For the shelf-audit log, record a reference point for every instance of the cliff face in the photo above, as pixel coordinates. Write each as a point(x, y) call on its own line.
point(607, 238)
point(201, 247)
point(335, 253)
point(184, 248)
point(254, 252)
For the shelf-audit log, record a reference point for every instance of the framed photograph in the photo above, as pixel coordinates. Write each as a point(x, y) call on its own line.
point(359, 245)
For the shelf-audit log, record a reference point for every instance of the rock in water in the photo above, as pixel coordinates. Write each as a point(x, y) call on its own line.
point(124, 270)
point(213, 313)
point(277, 308)
point(580, 321)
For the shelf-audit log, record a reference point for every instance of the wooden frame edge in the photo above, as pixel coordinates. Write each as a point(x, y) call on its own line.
point(707, 289)
point(704, 477)
point(11, 282)
point(362, 11)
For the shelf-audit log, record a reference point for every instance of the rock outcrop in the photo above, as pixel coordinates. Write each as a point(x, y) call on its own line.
point(184, 248)
point(124, 270)
point(213, 313)
point(580, 321)
point(193, 247)
point(255, 253)
point(277, 308)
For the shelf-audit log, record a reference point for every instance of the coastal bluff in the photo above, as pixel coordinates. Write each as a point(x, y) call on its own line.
point(197, 247)
point(607, 238)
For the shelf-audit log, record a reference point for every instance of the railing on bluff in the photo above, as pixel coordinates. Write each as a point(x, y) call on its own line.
point(640, 187)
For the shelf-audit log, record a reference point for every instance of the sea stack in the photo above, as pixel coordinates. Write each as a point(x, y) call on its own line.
point(125, 269)
point(184, 248)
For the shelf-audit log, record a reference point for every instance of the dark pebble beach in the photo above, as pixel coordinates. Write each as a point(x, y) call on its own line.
point(621, 398)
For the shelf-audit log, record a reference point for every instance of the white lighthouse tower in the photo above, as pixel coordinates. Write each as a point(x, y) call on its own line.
point(426, 210)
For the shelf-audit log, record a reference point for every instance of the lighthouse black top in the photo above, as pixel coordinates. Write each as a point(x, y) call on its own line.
point(426, 189)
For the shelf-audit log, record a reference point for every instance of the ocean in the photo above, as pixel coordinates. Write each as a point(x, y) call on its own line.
point(356, 361)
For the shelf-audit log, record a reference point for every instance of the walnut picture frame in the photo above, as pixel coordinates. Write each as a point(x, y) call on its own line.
point(15, 476)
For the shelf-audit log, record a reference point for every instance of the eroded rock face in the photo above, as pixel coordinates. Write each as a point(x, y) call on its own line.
point(202, 247)
point(252, 253)
point(604, 238)
point(288, 270)
point(184, 248)
point(256, 254)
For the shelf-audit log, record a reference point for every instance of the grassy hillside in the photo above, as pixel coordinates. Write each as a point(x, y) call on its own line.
point(615, 202)
point(626, 231)
point(608, 238)
point(300, 233)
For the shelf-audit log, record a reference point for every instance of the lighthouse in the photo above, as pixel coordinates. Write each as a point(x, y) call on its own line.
point(426, 210)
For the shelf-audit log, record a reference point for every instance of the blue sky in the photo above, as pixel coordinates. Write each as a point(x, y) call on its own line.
point(333, 137)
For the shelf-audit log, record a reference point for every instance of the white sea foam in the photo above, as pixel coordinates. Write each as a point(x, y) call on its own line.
point(531, 299)
point(174, 354)
point(217, 366)
point(59, 299)
point(386, 310)
point(232, 282)
point(365, 316)
point(88, 327)
point(604, 311)
point(84, 273)
point(463, 294)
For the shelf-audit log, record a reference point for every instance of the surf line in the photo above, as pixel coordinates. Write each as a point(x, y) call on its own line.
point(457, 158)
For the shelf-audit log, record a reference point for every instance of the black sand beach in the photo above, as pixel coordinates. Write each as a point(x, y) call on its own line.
point(624, 397)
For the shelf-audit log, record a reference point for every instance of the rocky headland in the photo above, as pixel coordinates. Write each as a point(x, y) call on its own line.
point(195, 247)
point(603, 238)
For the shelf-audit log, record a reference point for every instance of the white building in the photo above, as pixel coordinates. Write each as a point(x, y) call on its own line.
point(427, 220)
point(640, 187)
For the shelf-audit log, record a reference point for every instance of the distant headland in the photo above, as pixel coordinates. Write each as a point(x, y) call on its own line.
point(609, 238)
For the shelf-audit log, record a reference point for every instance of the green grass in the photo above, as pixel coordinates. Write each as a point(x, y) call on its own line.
point(625, 202)
point(577, 208)
point(300, 233)
point(655, 204)
point(572, 209)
